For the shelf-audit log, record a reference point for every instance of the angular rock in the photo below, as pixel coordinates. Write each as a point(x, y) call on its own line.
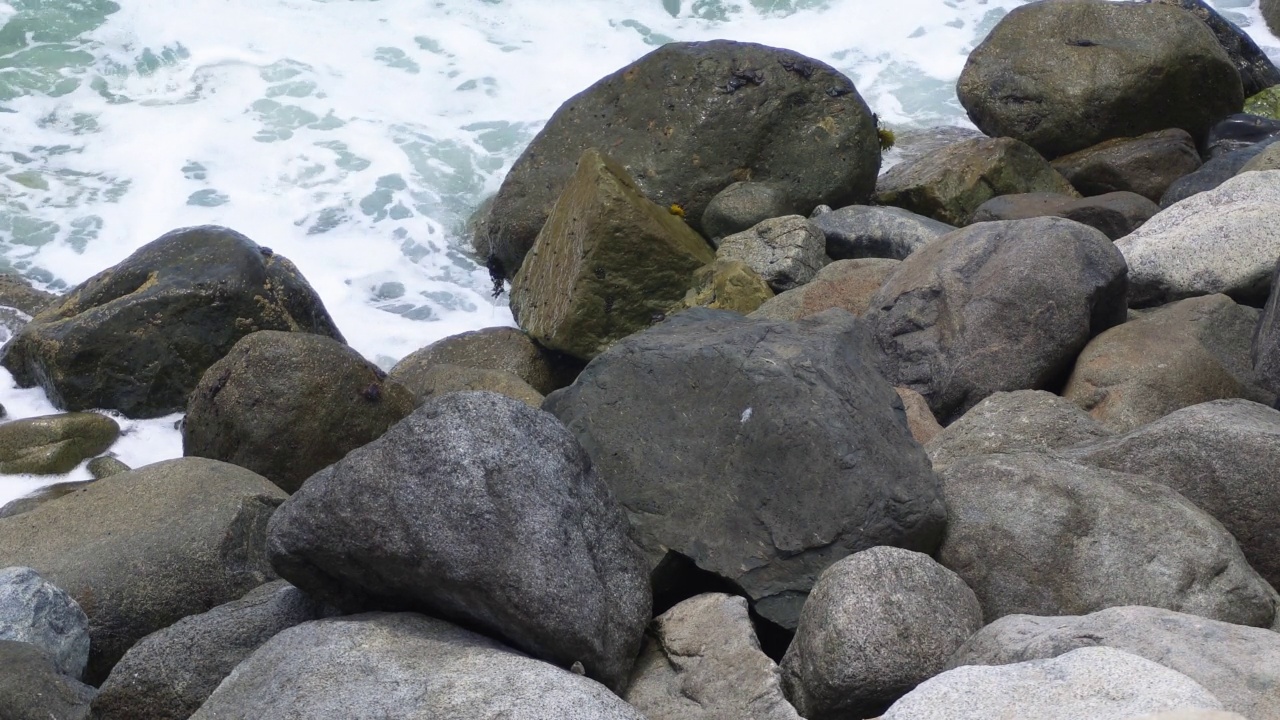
point(695, 422)
point(481, 509)
point(702, 661)
point(167, 540)
point(402, 667)
point(1239, 665)
point(951, 183)
point(728, 285)
point(1115, 214)
point(137, 336)
point(286, 405)
point(496, 348)
point(443, 378)
point(31, 688)
point(996, 306)
point(1225, 240)
point(924, 426)
point(170, 673)
point(1257, 72)
point(1038, 535)
point(744, 205)
point(786, 251)
point(1265, 348)
point(54, 444)
point(1213, 173)
point(34, 610)
point(690, 118)
point(605, 264)
point(1062, 77)
point(870, 231)
point(1181, 354)
point(1146, 165)
point(844, 284)
point(1098, 683)
point(877, 624)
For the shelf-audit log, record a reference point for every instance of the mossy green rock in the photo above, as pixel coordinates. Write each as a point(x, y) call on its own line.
point(727, 285)
point(54, 444)
point(1265, 103)
point(608, 263)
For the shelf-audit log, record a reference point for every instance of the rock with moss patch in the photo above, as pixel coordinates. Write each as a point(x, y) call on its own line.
point(54, 444)
point(1265, 103)
point(728, 285)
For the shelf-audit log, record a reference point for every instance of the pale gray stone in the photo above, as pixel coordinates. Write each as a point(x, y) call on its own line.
point(34, 610)
point(786, 251)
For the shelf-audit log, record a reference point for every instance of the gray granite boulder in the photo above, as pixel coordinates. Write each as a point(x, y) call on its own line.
point(32, 688)
point(36, 611)
point(787, 251)
point(871, 231)
point(743, 205)
point(1146, 165)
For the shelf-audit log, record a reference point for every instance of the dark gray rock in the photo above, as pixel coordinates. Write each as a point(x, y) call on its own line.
point(1271, 14)
point(1146, 165)
point(496, 348)
point(1239, 131)
point(996, 306)
point(695, 422)
point(36, 611)
point(31, 688)
point(1265, 346)
point(786, 251)
point(1257, 72)
point(480, 509)
point(870, 231)
point(743, 205)
point(1213, 173)
point(1116, 214)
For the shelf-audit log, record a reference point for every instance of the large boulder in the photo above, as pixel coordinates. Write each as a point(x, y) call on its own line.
point(1225, 240)
point(1265, 347)
point(1062, 76)
point(32, 688)
point(871, 231)
point(605, 264)
point(877, 624)
point(1116, 214)
point(140, 550)
point(479, 509)
point(689, 119)
point(495, 348)
point(1257, 72)
point(694, 424)
point(402, 667)
point(996, 306)
point(702, 661)
point(170, 673)
point(1239, 665)
point(786, 251)
point(744, 205)
point(286, 405)
point(137, 336)
point(1146, 165)
point(34, 610)
point(845, 284)
point(54, 444)
point(1038, 535)
point(1178, 355)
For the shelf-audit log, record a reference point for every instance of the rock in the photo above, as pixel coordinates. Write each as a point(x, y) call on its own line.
point(787, 251)
point(845, 284)
point(1265, 103)
point(1178, 355)
point(728, 285)
point(34, 610)
point(17, 292)
point(1098, 683)
point(1193, 715)
point(481, 509)
point(477, 228)
point(924, 426)
point(911, 145)
point(32, 688)
point(744, 205)
point(286, 405)
point(1220, 455)
point(1038, 535)
point(168, 540)
point(170, 673)
point(951, 183)
point(54, 444)
point(1062, 77)
point(137, 336)
point(1268, 159)
point(996, 306)
point(1014, 422)
point(106, 466)
point(41, 495)
point(1225, 240)
point(1265, 349)
point(690, 118)
point(1116, 214)
point(496, 348)
point(606, 262)
point(869, 231)
point(443, 378)
point(694, 422)
point(877, 624)
point(1146, 165)
point(702, 661)
point(1239, 131)
point(1256, 69)
point(1271, 14)
point(1212, 174)
point(1239, 665)
point(402, 667)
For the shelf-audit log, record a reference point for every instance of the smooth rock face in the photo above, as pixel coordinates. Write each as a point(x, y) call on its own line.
point(1063, 76)
point(106, 466)
point(35, 611)
point(442, 378)
point(1239, 131)
point(1268, 159)
point(54, 444)
point(953, 182)
point(168, 540)
point(1181, 354)
point(1220, 455)
point(702, 661)
point(996, 306)
point(1257, 72)
point(496, 348)
point(787, 251)
point(1116, 214)
point(728, 285)
point(877, 624)
point(286, 405)
point(1213, 173)
point(744, 205)
point(402, 667)
point(42, 495)
point(31, 688)
point(697, 422)
point(481, 509)
point(1128, 541)
point(844, 284)
point(1239, 665)
point(1225, 240)
point(687, 120)
point(160, 318)
point(170, 673)
point(606, 262)
point(1265, 349)
point(871, 231)
point(1146, 165)
point(1098, 683)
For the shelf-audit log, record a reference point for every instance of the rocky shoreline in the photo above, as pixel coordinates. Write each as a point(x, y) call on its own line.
point(995, 433)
